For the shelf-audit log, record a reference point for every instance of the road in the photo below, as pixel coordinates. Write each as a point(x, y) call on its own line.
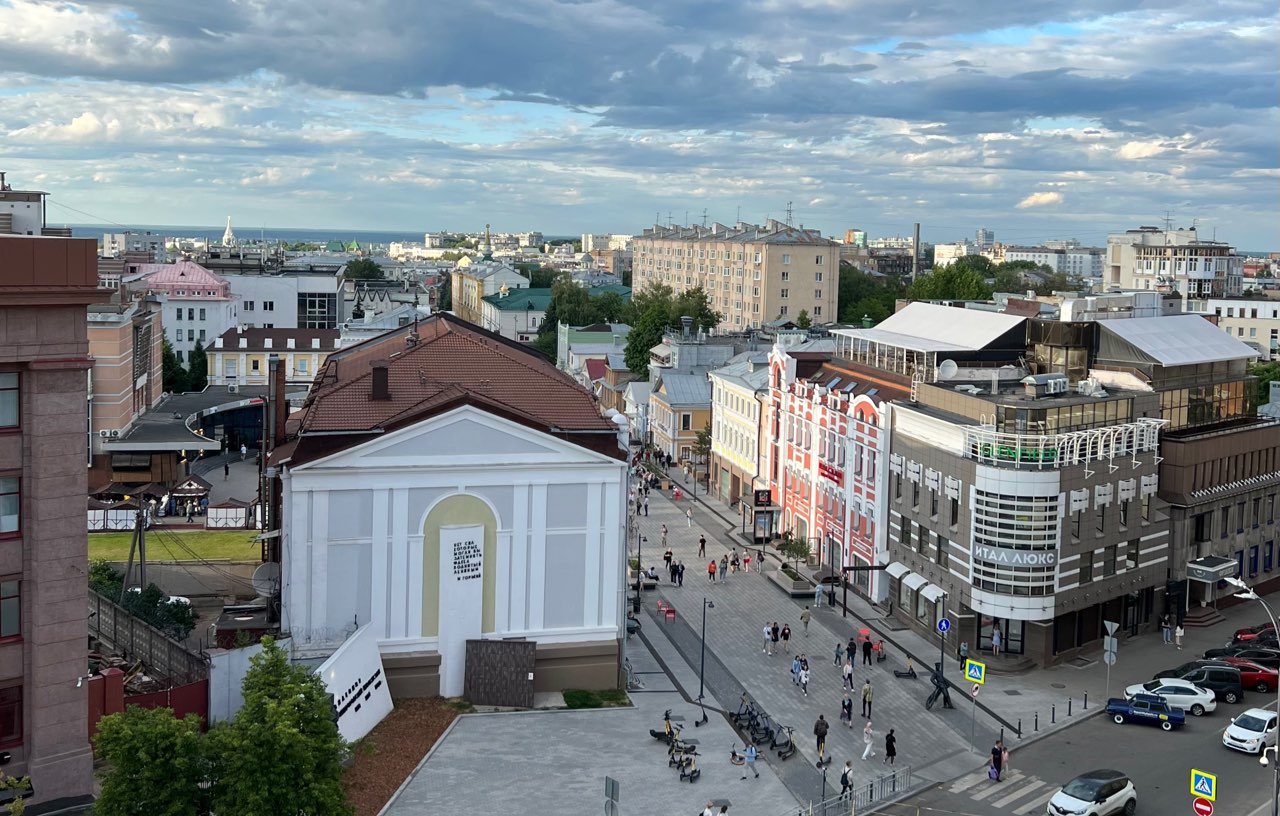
point(1159, 763)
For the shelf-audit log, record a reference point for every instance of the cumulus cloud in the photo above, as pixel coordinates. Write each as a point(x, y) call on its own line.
point(1040, 199)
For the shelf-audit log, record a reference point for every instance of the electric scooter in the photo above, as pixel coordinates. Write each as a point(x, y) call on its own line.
point(786, 745)
point(669, 732)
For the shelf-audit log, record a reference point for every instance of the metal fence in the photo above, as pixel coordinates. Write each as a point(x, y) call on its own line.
point(862, 798)
point(136, 639)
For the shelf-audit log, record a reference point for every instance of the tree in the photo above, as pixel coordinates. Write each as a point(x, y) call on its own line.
point(1265, 372)
point(789, 546)
point(539, 278)
point(695, 303)
point(955, 282)
point(198, 368)
point(445, 301)
point(174, 618)
point(362, 269)
point(155, 764)
point(173, 375)
point(281, 753)
point(645, 334)
point(702, 443)
point(862, 295)
point(802, 319)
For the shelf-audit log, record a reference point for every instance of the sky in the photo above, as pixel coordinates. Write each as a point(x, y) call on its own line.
point(1038, 119)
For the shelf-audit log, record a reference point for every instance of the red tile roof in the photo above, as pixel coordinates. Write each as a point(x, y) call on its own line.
point(453, 362)
point(595, 370)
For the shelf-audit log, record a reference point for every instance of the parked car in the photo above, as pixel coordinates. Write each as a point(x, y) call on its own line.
point(1096, 793)
point(1251, 731)
point(1263, 656)
point(1180, 694)
point(1223, 681)
point(1150, 709)
point(1253, 632)
point(1253, 675)
point(1189, 666)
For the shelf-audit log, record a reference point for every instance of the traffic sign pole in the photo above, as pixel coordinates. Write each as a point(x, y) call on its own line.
point(973, 719)
point(1109, 652)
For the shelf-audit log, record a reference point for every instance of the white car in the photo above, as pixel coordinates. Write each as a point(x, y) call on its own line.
point(1181, 694)
point(1252, 731)
point(1097, 793)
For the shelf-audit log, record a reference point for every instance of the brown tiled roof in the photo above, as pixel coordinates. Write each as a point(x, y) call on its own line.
point(888, 386)
point(255, 339)
point(453, 362)
point(595, 369)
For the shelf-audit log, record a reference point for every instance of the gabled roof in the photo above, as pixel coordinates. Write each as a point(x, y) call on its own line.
point(738, 371)
point(595, 369)
point(683, 389)
point(638, 391)
point(1175, 340)
point(520, 300)
point(184, 271)
point(932, 327)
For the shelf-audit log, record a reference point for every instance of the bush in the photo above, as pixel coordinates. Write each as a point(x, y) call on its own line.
point(175, 619)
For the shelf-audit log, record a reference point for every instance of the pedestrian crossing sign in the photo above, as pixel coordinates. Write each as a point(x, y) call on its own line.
point(1204, 784)
point(975, 671)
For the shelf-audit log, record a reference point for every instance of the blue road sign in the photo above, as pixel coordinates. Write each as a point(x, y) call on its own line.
point(1204, 784)
point(975, 671)
point(944, 624)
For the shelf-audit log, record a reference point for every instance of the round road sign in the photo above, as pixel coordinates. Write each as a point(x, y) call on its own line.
point(976, 689)
point(944, 625)
point(1202, 807)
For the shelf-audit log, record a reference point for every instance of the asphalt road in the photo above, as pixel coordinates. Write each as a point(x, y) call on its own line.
point(1159, 763)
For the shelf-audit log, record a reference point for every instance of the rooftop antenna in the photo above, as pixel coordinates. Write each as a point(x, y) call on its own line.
point(704, 217)
point(788, 213)
point(1168, 220)
point(686, 218)
point(669, 220)
point(738, 218)
point(657, 218)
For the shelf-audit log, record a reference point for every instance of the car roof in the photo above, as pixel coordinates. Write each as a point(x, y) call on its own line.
point(1174, 681)
point(1103, 775)
point(1262, 713)
point(1148, 698)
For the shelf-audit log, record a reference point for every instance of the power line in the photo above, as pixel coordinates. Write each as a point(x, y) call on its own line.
point(89, 214)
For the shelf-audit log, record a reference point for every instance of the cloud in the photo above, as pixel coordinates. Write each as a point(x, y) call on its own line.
point(1040, 199)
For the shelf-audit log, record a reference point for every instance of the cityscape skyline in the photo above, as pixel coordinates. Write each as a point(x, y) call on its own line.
point(1050, 121)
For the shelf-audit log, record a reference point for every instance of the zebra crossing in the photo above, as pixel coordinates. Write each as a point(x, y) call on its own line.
point(1018, 793)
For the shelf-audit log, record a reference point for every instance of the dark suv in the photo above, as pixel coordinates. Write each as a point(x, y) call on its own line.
point(1223, 681)
point(1181, 671)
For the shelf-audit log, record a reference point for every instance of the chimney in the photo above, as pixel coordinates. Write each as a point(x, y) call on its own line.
point(279, 407)
point(686, 323)
point(915, 252)
point(617, 341)
point(381, 387)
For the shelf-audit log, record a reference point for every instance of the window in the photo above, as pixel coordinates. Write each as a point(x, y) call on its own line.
point(915, 494)
point(904, 595)
point(1224, 517)
point(1100, 518)
point(817, 311)
point(10, 716)
point(1239, 517)
point(202, 335)
point(1076, 520)
point(943, 546)
point(686, 422)
point(202, 314)
point(10, 609)
point(782, 311)
point(268, 305)
point(1257, 510)
point(177, 313)
point(1109, 561)
point(1131, 555)
point(248, 305)
point(10, 400)
point(1253, 560)
point(1086, 567)
point(922, 607)
point(191, 314)
point(786, 259)
point(191, 334)
point(786, 276)
point(817, 294)
point(255, 366)
point(10, 507)
point(933, 503)
point(785, 293)
point(955, 512)
point(1124, 513)
point(181, 357)
point(817, 259)
point(1268, 553)
point(817, 277)
point(897, 487)
point(1146, 507)
point(905, 538)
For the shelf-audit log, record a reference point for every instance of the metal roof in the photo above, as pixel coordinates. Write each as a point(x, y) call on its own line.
point(931, 327)
point(685, 389)
point(1185, 339)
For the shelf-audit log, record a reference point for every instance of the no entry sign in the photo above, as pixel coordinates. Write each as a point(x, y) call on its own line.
point(1202, 807)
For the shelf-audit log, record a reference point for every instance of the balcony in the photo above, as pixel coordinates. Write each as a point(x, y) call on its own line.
point(1042, 451)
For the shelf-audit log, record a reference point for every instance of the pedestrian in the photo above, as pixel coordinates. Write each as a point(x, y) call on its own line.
point(1177, 636)
point(244, 451)
point(847, 673)
point(846, 710)
point(768, 631)
point(646, 504)
point(750, 755)
point(702, 546)
point(711, 570)
point(746, 561)
point(890, 747)
point(853, 648)
point(226, 474)
point(866, 699)
point(667, 556)
point(680, 574)
point(795, 670)
point(804, 679)
point(997, 761)
point(724, 568)
point(733, 559)
point(671, 571)
point(774, 635)
point(688, 517)
point(820, 733)
point(786, 638)
point(664, 535)
point(866, 651)
point(710, 809)
point(964, 650)
point(846, 783)
point(804, 619)
point(191, 513)
point(1004, 756)
point(839, 653)
point(1166, 631)
point(867, 738)
point(995, 641)
point(817, 596)
point(639, 506)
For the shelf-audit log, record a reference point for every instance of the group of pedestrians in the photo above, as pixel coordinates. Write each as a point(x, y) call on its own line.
point(674, 568)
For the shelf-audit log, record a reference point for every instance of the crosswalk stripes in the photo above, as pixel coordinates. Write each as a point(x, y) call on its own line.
point(1023, 793)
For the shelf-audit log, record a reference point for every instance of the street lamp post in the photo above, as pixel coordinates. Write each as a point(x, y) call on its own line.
point(635, 605)
point(1249, 595)
point(702, 661)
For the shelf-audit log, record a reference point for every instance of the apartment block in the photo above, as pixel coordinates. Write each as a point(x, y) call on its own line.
point(46, 286)
point(1254, 321)
point(1173, 261)
point(126, 345)
point(752, 274)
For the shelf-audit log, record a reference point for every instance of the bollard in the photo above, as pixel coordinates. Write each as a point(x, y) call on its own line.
point(1086, 701)
point(1002, 733)
point(1037, 721)
point(1068, 706)
point(1053, 714)
point(1019, 728)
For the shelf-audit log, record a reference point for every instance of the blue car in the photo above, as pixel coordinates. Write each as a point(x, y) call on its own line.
point(1151, 709)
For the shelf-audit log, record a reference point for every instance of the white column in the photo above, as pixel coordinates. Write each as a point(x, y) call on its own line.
point(518, 584)
point(295, 554)
point(591, 571)
point(537, 556)
point(399, 563)
point(502, 580)
point(323, 630)
point(378, 548)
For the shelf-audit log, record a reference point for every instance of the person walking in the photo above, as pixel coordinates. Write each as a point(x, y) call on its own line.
point(664, 535)
point(1166, 631)
point(839, 653)
point(795, 670)
point(724, 568)
point(774, 634)
point(226, 474)
point(853, 648)
point(817, 596)
point(846, 710)
point(244, 451)
point(688, 519)
point(768, 631)
point(866, 651)
point(1177, 636)
point(804, 679)
point(702, 546)
point(750, 755)
point(846, 781)
point(646, 504)
point(710, 809)
point(890, 747)
point(995, 641)
point(820, 733)
point(804, 619)
point(867, 739)
point(667, 557)
point(997, 761)
point(866, 699)
point(680, 573)
point(847, 674)
point(711, 570)
point(786, 638)
point(1004, 756)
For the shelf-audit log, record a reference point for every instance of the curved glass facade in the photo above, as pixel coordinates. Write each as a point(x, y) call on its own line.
point(1015, 543)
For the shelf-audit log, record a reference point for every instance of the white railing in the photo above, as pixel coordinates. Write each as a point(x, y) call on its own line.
point(1129, 439)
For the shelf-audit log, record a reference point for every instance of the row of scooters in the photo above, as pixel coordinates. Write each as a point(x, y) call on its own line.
point(754, 720)
point(682, 753)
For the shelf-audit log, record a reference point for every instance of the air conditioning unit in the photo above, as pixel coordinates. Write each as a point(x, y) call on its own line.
point(104, 434)
point(233, 388)
point(115, 434)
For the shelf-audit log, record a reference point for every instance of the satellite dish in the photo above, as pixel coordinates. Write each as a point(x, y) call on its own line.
point(266, 579)
point(947, 369)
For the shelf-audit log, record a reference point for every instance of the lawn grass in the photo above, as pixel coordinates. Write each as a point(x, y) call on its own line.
point(604, 698)
point(214, 545)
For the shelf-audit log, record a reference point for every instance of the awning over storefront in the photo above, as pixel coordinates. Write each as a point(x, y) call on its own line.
point(1211, 569)
point(932, 593)
point(897, 569)
point(914, 581)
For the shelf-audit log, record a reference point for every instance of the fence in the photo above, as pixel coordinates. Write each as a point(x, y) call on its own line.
point(138, 640)
point(106, 696)
point(861, 798)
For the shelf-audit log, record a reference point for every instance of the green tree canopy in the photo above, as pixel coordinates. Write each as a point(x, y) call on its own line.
point(198, 368)
point(962, 280)
point(802, 320)
point(646, 333)
point(695, 303)
point(362, 269)
point(1265, 372)
point(155, 764)
point(863, 295)
point(281, 753)
point(172, 374)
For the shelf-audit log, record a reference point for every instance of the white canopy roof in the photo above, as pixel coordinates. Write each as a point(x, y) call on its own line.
point(940, 328)
point(1185, 339)
point(914, 580)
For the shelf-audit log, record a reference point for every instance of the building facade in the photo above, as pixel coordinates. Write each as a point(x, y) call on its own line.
point(752, 274)
point(240, 356)
point(126, 345)
point(736, 396)
point(447, 485)
point(679, 407)
point(46, 285)
point(292, 299)
point(1253, 321)
point(473, 281)
point(1173, 261)
point(198, 304)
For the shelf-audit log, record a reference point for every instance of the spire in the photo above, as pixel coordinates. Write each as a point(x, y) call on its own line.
point(228, 237)
point(487, 249)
